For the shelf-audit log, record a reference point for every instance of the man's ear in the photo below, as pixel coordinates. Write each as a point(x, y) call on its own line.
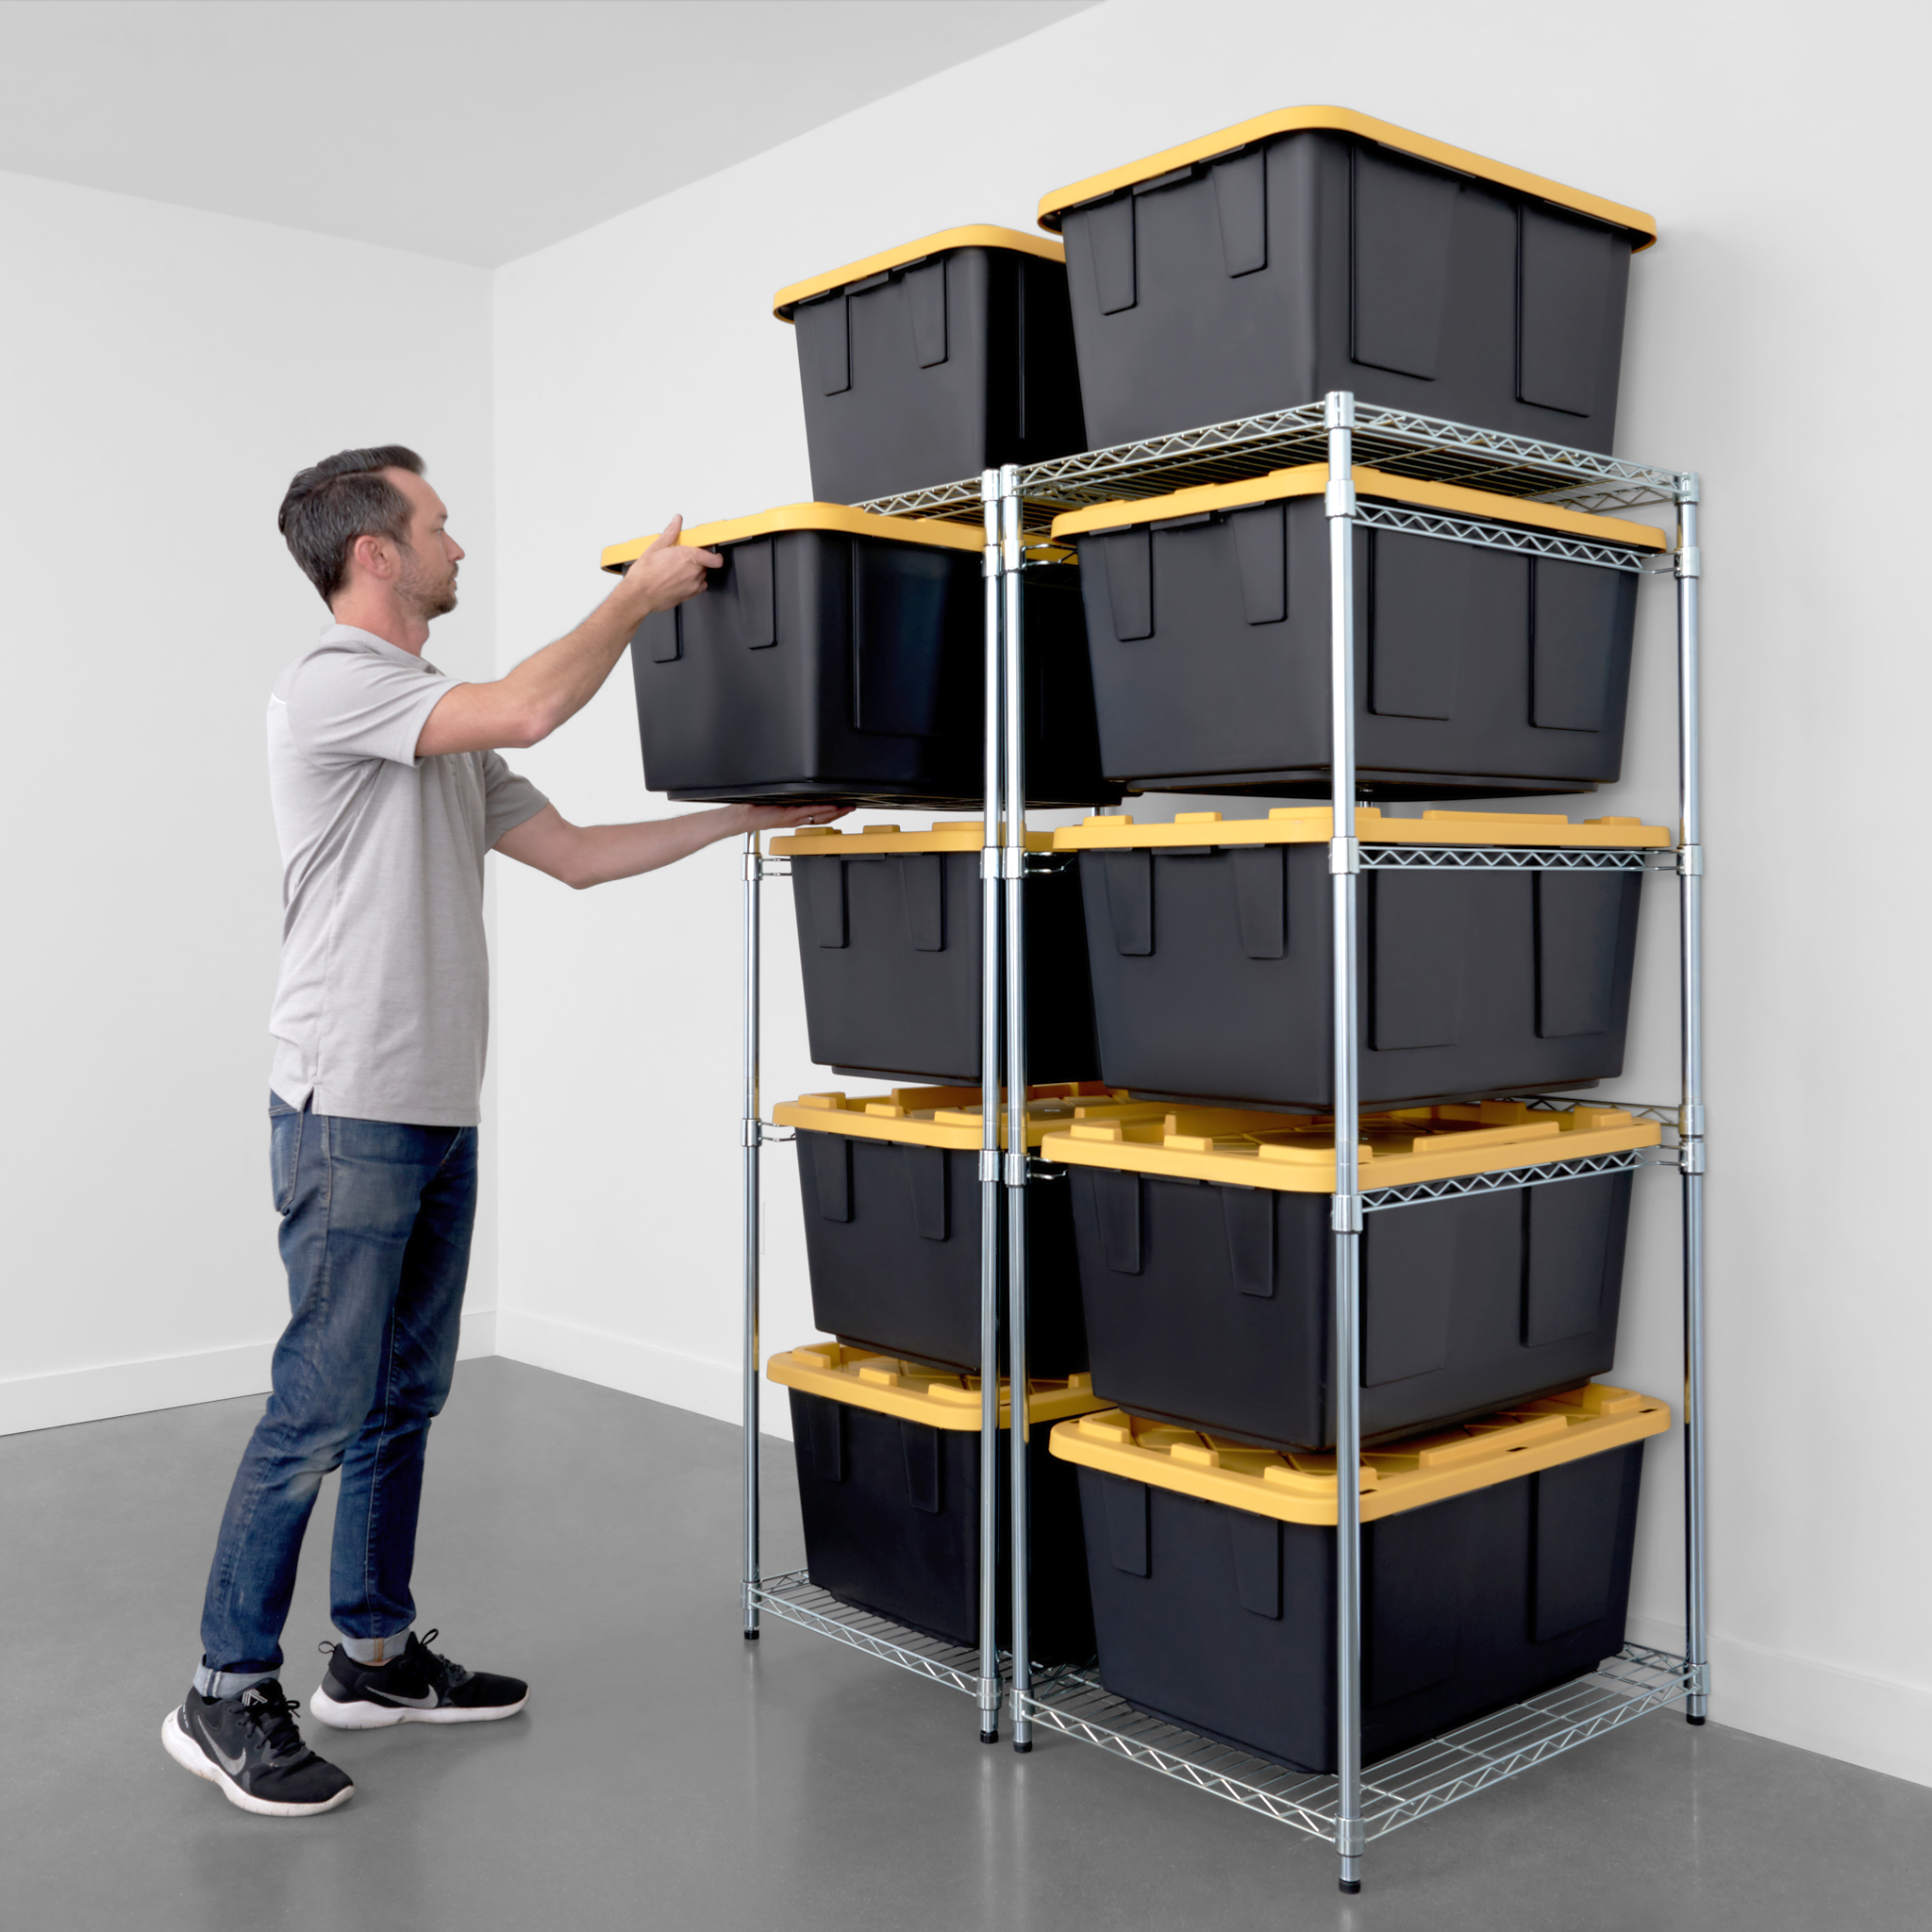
point(374, 555)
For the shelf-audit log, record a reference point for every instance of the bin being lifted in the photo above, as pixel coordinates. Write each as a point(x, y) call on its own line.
point(1317, 249)
point(837, 654)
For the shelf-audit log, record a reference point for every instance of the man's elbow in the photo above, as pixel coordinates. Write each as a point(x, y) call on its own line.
point(526, 727)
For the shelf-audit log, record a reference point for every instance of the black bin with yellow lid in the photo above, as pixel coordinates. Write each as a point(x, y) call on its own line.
point(889, 945)
point(1317, 248)
point(1208, 953)
point(888, 1487)
point(1207, 1266)
point(934, 360)
point(837, 654)
point(889, 1185)
point(1478, 671)
point(1495, 1565)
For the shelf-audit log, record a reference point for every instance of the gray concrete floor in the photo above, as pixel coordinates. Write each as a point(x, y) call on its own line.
point(668, 1774)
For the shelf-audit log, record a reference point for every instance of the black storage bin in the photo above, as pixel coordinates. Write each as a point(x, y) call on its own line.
point(1495, 1565)
point(1477, 671)
point(1206, 1276)
point(1318, 249)
point(889, 943)
point(888, 1455)
point(934, 361)
point(1207, 944)
point(839, 656)
point(889, 1185)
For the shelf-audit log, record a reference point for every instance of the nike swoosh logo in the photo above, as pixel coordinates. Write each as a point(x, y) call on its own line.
point(428, 1702)
point(231, 1765)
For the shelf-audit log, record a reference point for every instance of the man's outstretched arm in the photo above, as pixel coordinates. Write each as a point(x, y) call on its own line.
point(584, 856)
point(529, 702)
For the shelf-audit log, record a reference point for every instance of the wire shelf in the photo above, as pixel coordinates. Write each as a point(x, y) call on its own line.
point(1627, 1161)
point(1399, 1789)
point(1517, 859)
point(794, 1598)
point(1397, 441)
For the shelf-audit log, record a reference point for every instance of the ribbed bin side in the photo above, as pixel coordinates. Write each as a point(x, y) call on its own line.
point(1223, 1622)
point(1477, 671)
point(1210, 973)
point(825, 665)
point(1212, 1306)
point(891, 1514)
point(892, 1241)
point(1319, 262)
point(937, 371)
point(890, 952)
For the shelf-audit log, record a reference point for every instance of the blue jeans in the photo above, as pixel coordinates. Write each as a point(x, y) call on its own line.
point(376, 1237)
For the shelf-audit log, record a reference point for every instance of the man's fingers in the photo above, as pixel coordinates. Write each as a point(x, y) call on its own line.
point(669, 533)
point(710, 558)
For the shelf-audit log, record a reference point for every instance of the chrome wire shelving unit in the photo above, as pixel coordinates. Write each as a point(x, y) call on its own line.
point(1014, 507)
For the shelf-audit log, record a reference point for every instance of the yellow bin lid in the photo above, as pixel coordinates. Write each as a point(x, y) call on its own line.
point(945, 1116)
point(785, 303)
point(1297, 1156)
point(1214, 147)
point(945, 835)
point(1312, 479)
point(807, 516)
point(916, 1392)
point(1309, 824)
point(1293, 1486)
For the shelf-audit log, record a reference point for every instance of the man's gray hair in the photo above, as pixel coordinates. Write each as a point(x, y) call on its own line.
point(344, 496)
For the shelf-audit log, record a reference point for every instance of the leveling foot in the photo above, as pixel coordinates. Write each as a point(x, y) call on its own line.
point(1690, 1720)
point(751, 1636)
point(1351, 1885)
point(1021, 1748)
point(988, 1736)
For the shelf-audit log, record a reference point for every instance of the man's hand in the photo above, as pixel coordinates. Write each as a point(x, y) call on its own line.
point(664, 576)
point(527, 706)
point(788, 818)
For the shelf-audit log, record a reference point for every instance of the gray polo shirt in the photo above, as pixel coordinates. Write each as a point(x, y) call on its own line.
point(382, 1004)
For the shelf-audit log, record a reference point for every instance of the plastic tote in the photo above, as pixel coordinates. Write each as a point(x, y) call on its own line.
point(888, 940)
point(1477, 671)
point(891, 1188)
point(1318, 249)
point(1207, 1263)
point(1496, 1564)
point(934, 361)
point(888, 1486)
point(1207, 947)
point(837, 655)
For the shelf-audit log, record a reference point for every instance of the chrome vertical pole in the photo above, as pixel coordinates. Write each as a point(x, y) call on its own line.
point(1012, 563)
point(1689, 568)
point(750, 1134)
point(995, 724)
point(1344, 860)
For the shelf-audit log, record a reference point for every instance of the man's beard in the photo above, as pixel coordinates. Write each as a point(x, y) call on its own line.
point(427, 596)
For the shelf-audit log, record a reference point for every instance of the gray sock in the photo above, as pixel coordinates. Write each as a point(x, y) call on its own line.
point(373, 1652)
point(212, 1683)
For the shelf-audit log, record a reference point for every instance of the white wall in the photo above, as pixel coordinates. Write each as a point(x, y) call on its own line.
point(638, 372)
point(162, 374)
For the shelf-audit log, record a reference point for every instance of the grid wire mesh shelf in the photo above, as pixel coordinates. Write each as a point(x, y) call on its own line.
point(795, 1599)
point(1513, 1179)
point(1399, 1789)
point(1396, 441)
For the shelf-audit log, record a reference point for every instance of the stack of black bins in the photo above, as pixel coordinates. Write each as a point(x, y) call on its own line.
point(888, 1486)
point(1478, 672)
point(1316, 249)
point(836, 655)
point(1499, 1484)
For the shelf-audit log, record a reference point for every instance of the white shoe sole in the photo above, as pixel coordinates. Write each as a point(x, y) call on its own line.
point(192, 1758)
point(378, 1717)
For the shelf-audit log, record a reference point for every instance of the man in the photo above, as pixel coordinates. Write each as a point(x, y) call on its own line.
point(388, 792)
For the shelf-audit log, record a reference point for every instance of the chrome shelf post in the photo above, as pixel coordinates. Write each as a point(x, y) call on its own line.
point(751, 1134)
point(989, 1686)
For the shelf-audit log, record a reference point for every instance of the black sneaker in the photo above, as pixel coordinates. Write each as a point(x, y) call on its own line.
point(250, 1747)
point(418, 1688)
